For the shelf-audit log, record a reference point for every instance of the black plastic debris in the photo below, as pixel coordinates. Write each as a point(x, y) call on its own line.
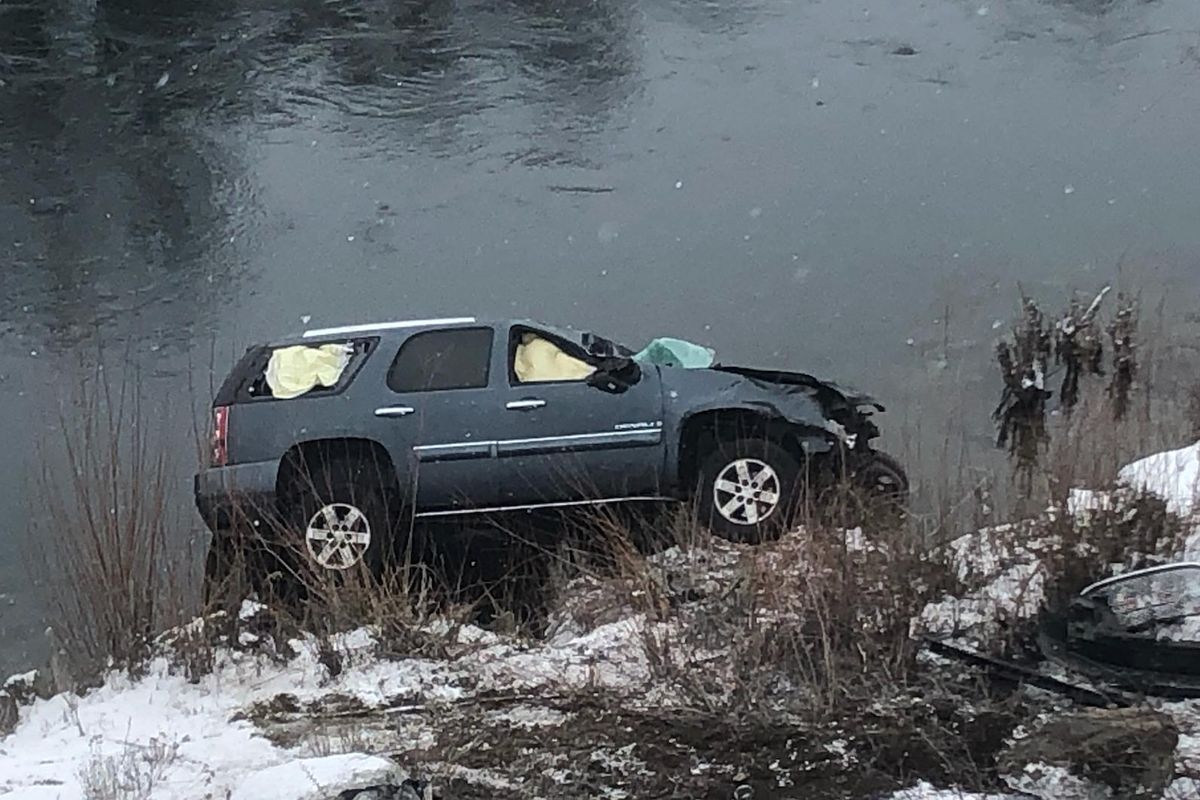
point(1013, 674)
point(1132, 631)
point(1120, 639)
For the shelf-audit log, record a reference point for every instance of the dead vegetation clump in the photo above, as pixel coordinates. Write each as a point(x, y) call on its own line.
point(801, 626)
point(1122, 331)
point(398, 606)
point(1116, 530)
point(105, 541)
point(1078, 347)
point(1021, 414)
point(1076, 344)
point(133, 772)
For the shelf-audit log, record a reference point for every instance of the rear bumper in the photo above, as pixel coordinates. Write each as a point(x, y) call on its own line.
point(241, 492)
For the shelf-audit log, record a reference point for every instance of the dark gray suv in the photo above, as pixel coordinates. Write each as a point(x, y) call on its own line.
point(339, 438)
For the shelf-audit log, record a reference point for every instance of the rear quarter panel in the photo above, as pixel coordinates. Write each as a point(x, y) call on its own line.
point(264, 429)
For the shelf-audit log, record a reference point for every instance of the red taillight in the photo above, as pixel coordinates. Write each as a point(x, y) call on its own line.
point(220, 441)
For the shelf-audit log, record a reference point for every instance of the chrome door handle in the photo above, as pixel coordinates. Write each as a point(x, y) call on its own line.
point(524, 405)
point(394, 411)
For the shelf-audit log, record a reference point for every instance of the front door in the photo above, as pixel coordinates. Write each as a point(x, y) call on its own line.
point(563, 440)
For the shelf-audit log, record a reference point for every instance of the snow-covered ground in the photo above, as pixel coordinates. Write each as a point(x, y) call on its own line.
point(1173, 475)
point(1006, 572)
point(259, 727)
point(183, 739)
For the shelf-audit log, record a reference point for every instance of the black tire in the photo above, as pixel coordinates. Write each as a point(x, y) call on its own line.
point(880, 491)
point(755, 518)
point(353, 499)
point(884, 477)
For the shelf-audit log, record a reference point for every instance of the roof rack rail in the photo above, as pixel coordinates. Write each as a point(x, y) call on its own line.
point(387, 326)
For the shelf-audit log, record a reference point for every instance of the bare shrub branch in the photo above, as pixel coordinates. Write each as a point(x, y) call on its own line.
point(106, 536)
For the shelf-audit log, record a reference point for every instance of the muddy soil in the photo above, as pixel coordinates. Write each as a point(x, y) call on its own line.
point(592, 744)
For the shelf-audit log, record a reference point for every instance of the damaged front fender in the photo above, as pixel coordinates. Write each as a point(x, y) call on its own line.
point(819, 417)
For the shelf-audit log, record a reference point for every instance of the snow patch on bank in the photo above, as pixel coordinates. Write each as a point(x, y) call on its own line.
point(1173, 475)
point(926, 791)
point(191, 740)
point(317, 778)
point(1004, 576)
point(1002, 567)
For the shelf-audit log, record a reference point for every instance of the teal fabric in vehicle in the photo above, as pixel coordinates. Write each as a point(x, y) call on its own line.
point(669, 352)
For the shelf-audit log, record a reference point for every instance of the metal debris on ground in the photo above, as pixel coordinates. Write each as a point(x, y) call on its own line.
point(1121, 639)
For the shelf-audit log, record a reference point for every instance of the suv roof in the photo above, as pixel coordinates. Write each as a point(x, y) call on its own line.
point(372, 327)
point(316, 335)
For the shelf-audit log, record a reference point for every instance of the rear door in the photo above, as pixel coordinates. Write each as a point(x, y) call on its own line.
point(441, 410)
point(563, 440)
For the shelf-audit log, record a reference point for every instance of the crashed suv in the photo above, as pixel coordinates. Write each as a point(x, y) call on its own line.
point(344, 437)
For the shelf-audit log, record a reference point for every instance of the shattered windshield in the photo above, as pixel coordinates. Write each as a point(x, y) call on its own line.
point(601, 346)
point(663, 351)
point(669, 352)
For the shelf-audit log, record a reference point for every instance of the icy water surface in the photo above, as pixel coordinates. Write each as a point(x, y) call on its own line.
point(797, 183)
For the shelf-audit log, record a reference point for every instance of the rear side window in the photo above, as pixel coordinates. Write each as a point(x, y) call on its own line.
point(237, 383)
point(440, 360)
point(265, 373)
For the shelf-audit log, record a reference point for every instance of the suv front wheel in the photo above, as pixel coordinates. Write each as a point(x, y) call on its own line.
point(748, 489)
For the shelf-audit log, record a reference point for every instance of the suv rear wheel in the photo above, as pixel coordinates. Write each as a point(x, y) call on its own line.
point(748, 489)
point(343, 514)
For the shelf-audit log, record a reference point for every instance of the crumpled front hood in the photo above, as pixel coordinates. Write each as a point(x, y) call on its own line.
point(823, 388)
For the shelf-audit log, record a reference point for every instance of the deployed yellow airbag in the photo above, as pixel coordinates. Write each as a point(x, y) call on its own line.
point(540, 360)
point(297, 370)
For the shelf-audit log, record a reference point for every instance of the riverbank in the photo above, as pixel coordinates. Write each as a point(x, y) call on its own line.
point(702, 670)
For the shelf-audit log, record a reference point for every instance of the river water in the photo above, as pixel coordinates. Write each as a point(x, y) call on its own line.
point(805, 184)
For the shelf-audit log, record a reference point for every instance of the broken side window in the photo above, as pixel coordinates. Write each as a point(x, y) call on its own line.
point(535, 358)
point(282, 373)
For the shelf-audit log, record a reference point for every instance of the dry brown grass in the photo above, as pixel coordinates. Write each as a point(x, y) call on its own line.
point(105, 539)
point(806, 625)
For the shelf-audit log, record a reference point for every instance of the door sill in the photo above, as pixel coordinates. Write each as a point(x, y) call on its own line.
point(459, 512)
